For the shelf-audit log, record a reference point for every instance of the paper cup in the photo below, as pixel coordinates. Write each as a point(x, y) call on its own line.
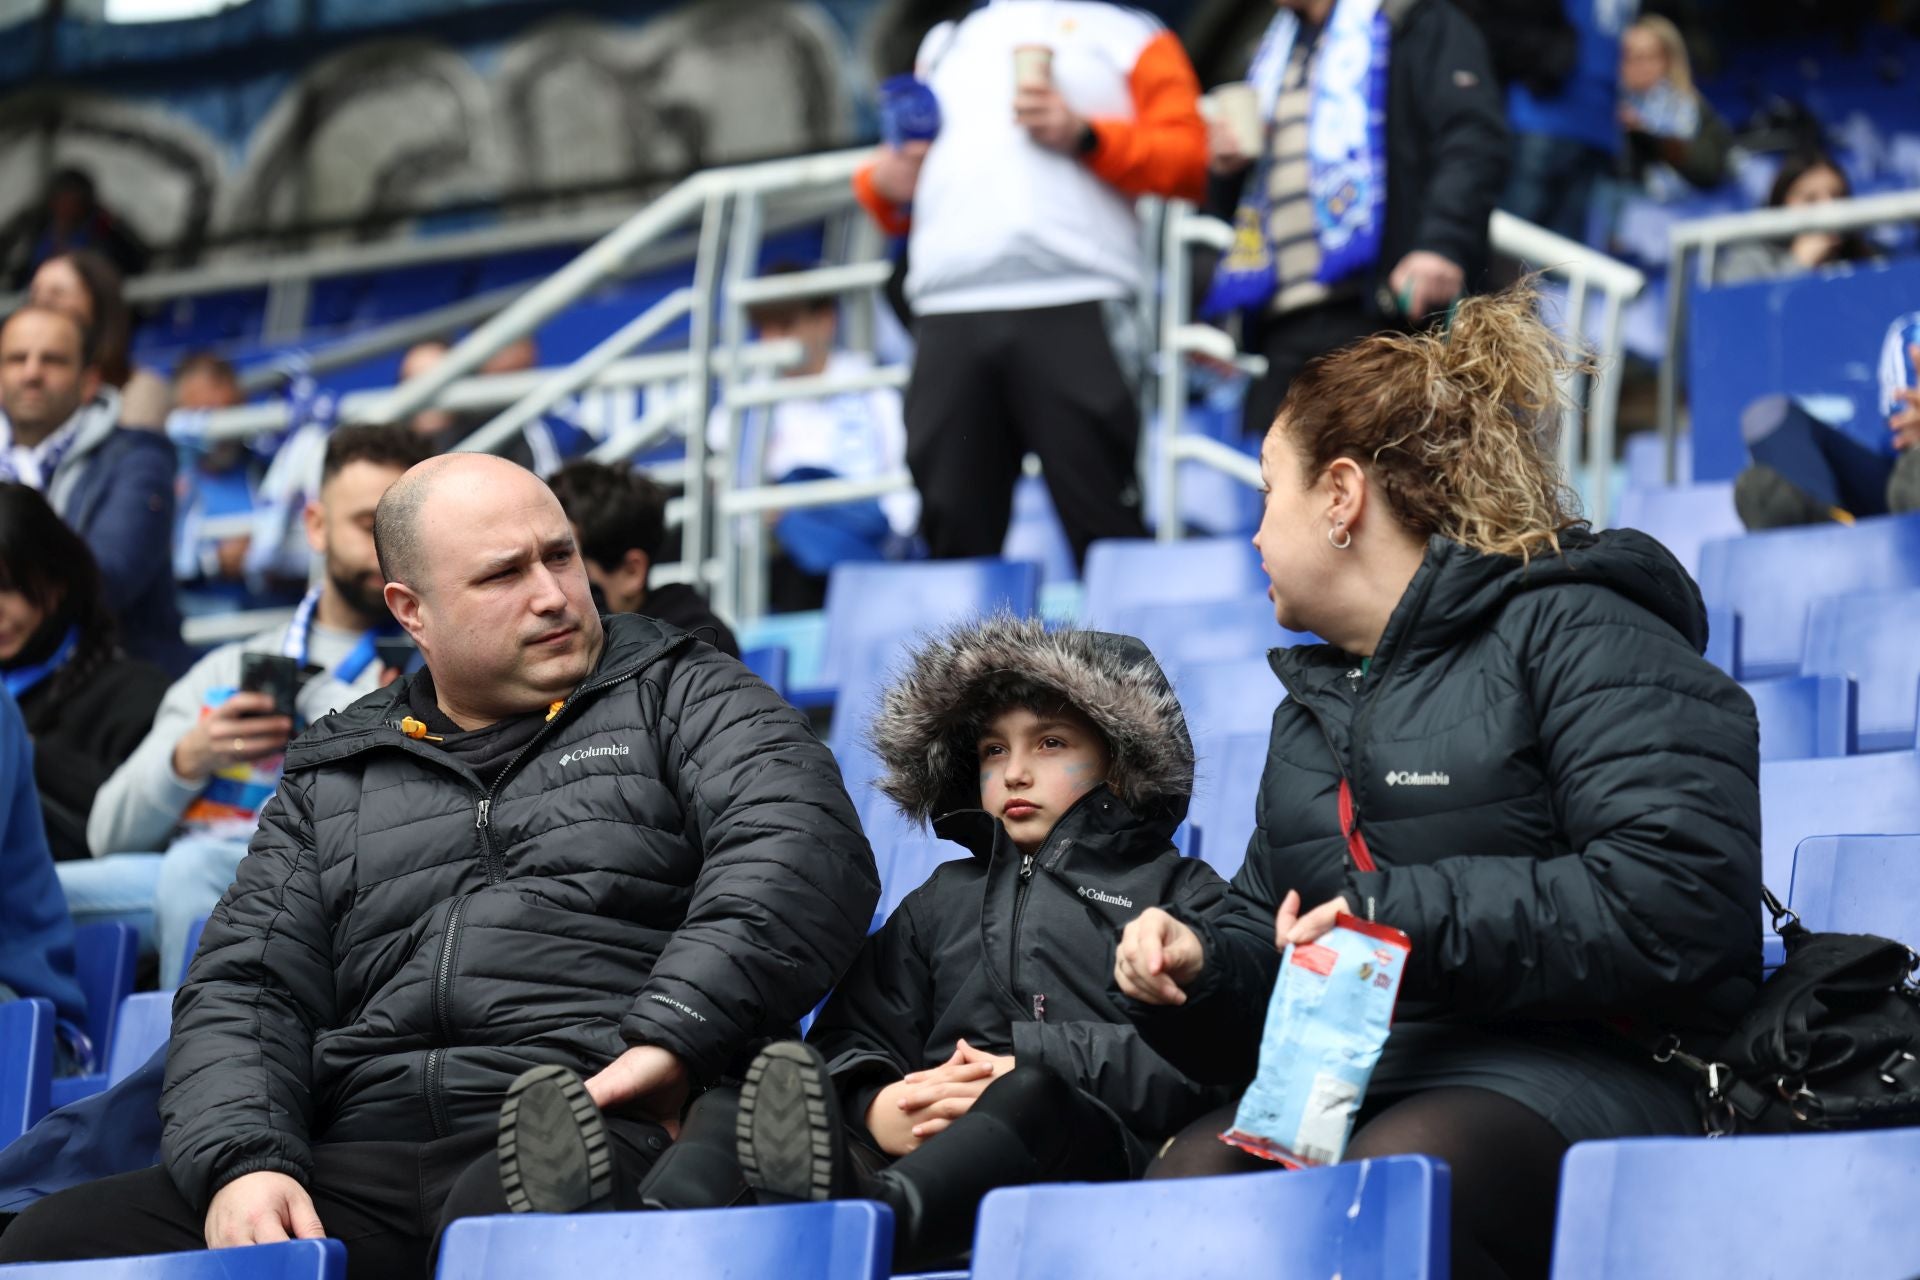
point(1032, 66)
point(1237, 107)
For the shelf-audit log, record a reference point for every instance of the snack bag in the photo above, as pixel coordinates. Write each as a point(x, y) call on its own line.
point(1331, 1010)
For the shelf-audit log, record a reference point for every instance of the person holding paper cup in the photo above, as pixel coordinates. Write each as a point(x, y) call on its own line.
point(1024, 257)
point(1511, 750)
point(1360, 188)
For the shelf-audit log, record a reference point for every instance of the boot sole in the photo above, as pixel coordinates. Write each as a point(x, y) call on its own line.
point(784, 1131)
point(552, 1145)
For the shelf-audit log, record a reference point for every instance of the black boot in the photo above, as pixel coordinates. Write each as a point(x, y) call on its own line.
point(553, 1145)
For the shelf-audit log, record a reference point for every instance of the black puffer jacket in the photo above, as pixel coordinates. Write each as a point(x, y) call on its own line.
point(1016, 955)
point(673, 861)
point(1560, 796)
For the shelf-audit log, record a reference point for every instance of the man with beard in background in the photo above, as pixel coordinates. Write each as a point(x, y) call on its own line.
point(195, 785)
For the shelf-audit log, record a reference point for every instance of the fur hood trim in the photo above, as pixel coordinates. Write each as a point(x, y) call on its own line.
point(931, 717)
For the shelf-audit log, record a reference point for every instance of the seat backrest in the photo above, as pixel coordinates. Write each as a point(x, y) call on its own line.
point(1854, 795)
point(873, 607)
point(837, 1240)
point(26, 1065)
point(1871, 637)
point(1772, 580)
point(1372, 1220)
point(1124, 573)
point(1806, 716)
point(146, 1020)
point(1723, 638)
point(192, 947)
point(1741, 1208)
point(1684, 518)
point(1236, 696)
point(770, 664)
point(1226, 785)
point(1180, 635)
point(293, 1260)
point(104, 956)
point(1859, 884)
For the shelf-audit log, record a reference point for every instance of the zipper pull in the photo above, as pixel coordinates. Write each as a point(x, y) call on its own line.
point(1354, 677)
point(1026, 866)
point(1039, 1007)
point(480, 815)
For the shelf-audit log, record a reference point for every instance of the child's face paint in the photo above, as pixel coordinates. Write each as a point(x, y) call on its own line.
point(1033, 768)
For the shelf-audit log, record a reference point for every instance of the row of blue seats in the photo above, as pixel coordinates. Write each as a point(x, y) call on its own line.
point(1737, 1209)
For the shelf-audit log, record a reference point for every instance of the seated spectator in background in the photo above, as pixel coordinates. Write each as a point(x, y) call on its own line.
point(856, 435)
point(68, 217)
point(112, 485)
point(224, 479)
point(1307, 281)
point(973, 1044)
point(542, 446)
point(195, 785)
point(440, 428)
point(1671, 128)
point(1807, 472)
point(36, 937)
point(85, 702)
point(619, 520)
point(88, 287)
point(1808, 178)
point(564, 848)
point(1566, 141)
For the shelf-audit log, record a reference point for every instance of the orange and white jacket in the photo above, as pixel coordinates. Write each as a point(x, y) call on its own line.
point(998, 223)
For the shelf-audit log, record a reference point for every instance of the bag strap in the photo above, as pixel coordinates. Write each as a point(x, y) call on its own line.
point(1784, 920)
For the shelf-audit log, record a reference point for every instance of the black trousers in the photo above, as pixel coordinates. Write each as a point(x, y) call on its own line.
point(1288, 342)
point(386, 1201)
point(990, 387)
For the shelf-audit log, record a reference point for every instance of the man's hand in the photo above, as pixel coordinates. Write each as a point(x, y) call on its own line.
point(1224, 156)
point(1905, 422)
point(238, 731)
point(896, 172)
point(1048, 120)
point(645, 1081)
point(1290, 928)
point(261, 1208)
point(1425, 282)
point(1156, 958)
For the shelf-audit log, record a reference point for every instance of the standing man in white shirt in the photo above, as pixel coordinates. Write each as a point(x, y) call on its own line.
point(1024, 250)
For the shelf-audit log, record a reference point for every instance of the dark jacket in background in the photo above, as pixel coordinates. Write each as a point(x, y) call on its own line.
point(672, 860)
point(1703, 160)
point(82, 731)
point(679, 605)
point(1561, 796)
point(1015, 955)
point(36, 935)
point(1447, 150)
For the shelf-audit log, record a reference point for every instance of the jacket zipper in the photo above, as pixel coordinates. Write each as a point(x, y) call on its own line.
point(1028, 862)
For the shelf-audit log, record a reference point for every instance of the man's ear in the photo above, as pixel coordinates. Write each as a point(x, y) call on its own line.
point(404, 603)
point(314, 517)
point(634, 567)
point(89, 385)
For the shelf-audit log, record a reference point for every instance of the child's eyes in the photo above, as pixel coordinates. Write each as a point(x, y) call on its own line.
point(1052, 743)
point(987, 753)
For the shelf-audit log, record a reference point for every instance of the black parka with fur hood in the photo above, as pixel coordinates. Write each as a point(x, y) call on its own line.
point(1016, 956)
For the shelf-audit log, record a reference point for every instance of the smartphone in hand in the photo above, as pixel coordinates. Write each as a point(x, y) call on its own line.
point(273, 674)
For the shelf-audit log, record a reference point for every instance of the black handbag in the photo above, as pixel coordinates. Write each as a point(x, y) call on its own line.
point(1832, 1040)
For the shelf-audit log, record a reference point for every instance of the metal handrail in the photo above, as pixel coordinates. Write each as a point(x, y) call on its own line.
point(1707, 236)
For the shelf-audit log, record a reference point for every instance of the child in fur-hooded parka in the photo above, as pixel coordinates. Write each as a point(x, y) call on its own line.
point(976, 1042)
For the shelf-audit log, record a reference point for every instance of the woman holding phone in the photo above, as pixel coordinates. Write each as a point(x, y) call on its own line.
point(86, 704)
point(1511, 750)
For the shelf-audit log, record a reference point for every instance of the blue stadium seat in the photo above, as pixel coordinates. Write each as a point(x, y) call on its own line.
point(1723, 638)
point(873, 608)
point(837, 1240)
point(1684, 518)
point(1871, 637)
point(1124, 573)
point(26, 1065)
point(146, 1020)
point(1372, 1220)
point(1228, 697)
point(1227, 781)
point(192, 947)
point(104, 956)
point(1806, 716)
point(1204, 630)
point(1646, 456)
point(1773, 579)
point(1186, 839)
point(1741, 1208)
point(770, 664)
point(1859, 884)
point(294, 1260)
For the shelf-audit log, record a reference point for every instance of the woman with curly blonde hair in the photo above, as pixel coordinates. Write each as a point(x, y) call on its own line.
point(1509, 748)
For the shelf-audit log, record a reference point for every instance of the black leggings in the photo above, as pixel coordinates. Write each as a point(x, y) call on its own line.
point(1504, 1156)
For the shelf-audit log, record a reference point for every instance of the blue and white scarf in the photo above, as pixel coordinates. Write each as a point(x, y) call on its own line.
point(1346, 155)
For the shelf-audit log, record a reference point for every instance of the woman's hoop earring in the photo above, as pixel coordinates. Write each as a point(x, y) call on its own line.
point(1339, 529)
